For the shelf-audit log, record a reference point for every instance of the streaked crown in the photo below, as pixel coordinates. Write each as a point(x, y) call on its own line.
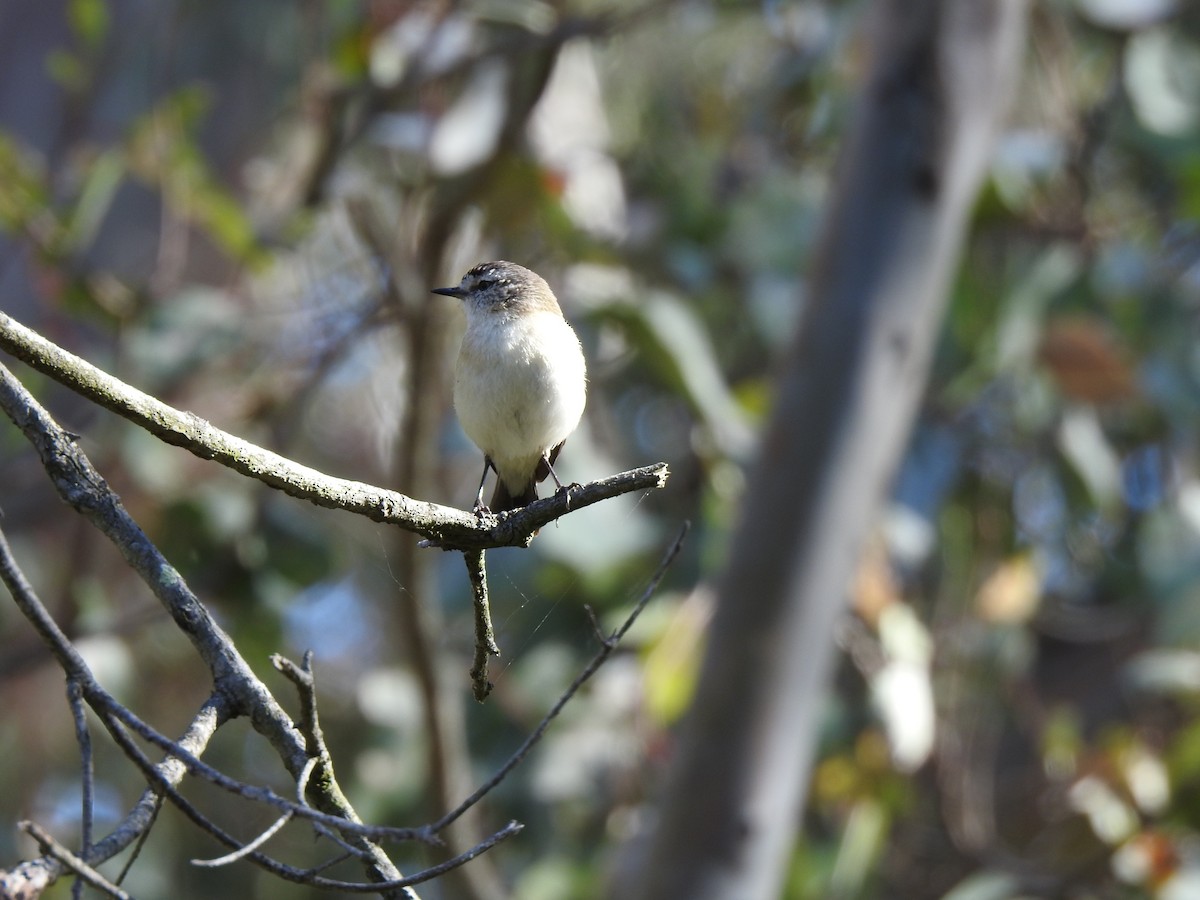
point(502, 286)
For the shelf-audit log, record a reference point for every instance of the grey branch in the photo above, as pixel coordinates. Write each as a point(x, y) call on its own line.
point(80, 485)
point(53, 848)
point(84, 739)
point(485, 636)
point(608, 644)
point(30, 878)
point(239, 691)
point(442, 526)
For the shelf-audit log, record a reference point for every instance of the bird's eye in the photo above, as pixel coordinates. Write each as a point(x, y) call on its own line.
point(483, 284)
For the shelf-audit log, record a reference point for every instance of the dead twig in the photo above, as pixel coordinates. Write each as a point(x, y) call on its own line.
point(85, 873)
point(608, 643)
point(485, 636)
point(87, 791)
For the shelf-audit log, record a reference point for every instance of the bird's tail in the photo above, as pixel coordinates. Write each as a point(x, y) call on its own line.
point(504, 500)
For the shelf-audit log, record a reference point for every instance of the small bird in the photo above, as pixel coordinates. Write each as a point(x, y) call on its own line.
point(520, 382)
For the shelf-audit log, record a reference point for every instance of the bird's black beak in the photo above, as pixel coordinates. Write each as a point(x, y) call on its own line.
point(450, 292)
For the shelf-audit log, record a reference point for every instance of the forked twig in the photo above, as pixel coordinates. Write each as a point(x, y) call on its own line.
point(241, 853)
point(607, 645)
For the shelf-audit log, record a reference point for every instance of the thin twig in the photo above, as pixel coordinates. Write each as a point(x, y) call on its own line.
point(88, 774)
point(513, 827)
point(485, 636)
point(331, 862)
point(246, 849)
point(103, 702)
point(165, 774)
point(290, 873)
point(607, 645)
point(597, 631)
point(301, 787)
point(304, 679)
point(273, 866)
point(53, 848)
point(424, 875)
point(442, 526)
point(139, 759)
point(144, 836)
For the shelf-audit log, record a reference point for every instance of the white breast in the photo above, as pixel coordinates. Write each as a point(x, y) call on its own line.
point(519, 388)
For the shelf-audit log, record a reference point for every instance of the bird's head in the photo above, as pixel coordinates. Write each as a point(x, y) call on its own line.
point(503, 287)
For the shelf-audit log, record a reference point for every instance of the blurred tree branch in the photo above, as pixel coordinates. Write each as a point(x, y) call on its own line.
point(908, 177)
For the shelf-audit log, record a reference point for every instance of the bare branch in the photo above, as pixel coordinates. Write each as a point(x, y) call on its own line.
point(155, 802)
point(607, 645)
point(443, 526)
point(601, 637)
point(286, 872)
point(442, 868)
point(53, 848)
point(425, 874)
point(87, 798)
point(32, 877)
point(301, 787)
point(244, 851)
point(485, 636)
point(108, 706)
point(310, 724)
point(302, 677)
point(81, 486)
point(398, 887)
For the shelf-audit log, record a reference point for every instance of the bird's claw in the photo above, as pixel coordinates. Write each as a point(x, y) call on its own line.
point(565, 490)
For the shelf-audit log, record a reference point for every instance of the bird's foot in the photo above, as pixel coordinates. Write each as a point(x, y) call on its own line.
point(481, 509)
point(565, 490)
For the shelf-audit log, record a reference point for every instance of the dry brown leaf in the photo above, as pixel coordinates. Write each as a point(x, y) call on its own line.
point(1086, 361)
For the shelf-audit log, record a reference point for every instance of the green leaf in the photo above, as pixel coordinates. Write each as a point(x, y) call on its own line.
point(162, 150)
point(24, 195)
point(103, 178)
point(222, 217)
point(89, 20)
point(66, 69)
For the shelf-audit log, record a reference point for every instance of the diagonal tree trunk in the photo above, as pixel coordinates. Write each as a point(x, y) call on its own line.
point(909, 174)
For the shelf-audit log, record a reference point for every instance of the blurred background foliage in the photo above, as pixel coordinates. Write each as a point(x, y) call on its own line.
point(240, 208)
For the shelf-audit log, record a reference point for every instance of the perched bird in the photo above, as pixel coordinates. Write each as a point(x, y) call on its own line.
point(520, 382)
